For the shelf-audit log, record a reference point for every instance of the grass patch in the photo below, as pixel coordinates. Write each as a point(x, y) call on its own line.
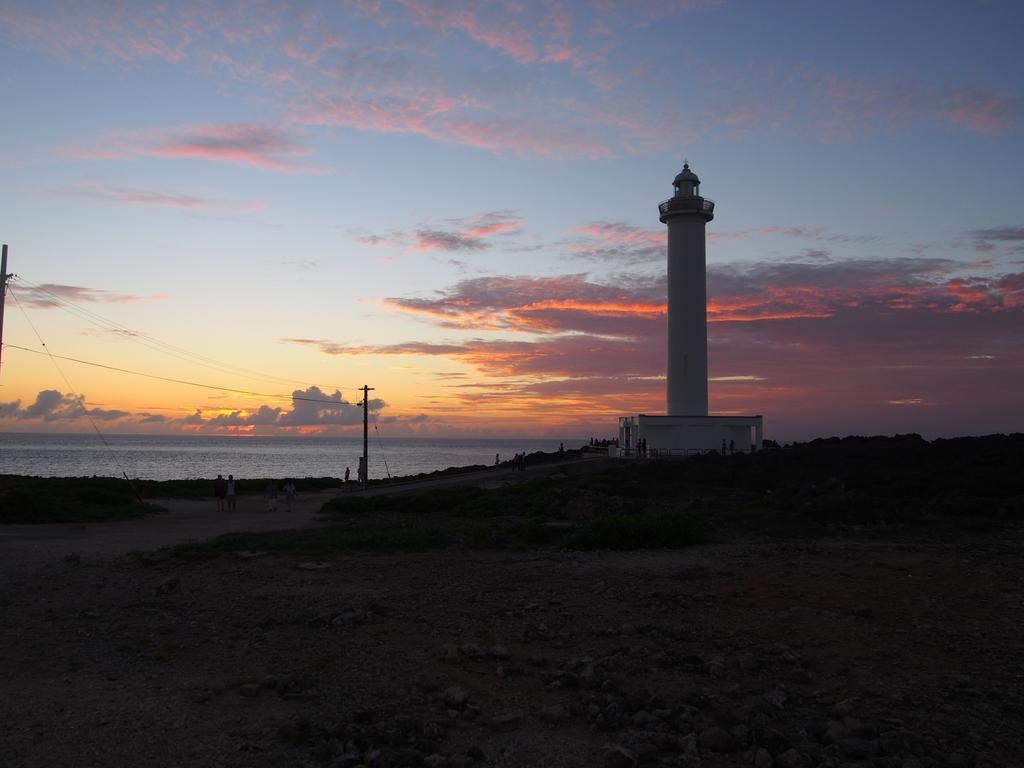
point(68, 500)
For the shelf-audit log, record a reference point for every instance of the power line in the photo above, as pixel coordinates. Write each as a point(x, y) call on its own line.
point(158, 345)
point(78, 398)
point(172, 380)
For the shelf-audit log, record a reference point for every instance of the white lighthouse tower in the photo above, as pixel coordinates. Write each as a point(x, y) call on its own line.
point(686, 427)
point(686, 213)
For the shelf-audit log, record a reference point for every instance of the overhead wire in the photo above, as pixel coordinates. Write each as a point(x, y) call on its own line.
point(158, 345)
point(80, 399)
point(176, 381)
point(380, 443)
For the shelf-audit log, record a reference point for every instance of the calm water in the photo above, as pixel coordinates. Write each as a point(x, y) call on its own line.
point(173, 457)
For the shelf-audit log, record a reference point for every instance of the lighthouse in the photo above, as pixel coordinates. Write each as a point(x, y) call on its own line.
point(686, 213)
point(686, 427)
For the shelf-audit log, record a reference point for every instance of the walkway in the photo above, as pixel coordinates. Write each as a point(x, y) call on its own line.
point(197, 520)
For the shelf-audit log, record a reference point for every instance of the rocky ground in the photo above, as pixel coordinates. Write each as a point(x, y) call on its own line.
point(904, 651)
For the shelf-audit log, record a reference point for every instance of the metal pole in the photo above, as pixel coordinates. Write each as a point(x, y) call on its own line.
point(3, 294)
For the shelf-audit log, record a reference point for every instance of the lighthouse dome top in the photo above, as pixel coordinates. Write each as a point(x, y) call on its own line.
point(685, 175)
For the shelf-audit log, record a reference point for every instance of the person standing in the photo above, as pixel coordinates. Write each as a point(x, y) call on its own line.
point(220, 489)
point(229, 493)
point(289, 494)
point(270, 494)
point(497, 456)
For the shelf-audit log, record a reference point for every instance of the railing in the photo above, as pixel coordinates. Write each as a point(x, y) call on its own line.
point(694, 203)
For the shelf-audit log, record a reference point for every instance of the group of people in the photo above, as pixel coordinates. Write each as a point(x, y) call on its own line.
point(641, 447)
point(225, 493)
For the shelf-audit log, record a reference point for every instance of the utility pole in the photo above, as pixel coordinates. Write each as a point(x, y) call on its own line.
point(364, 466)
point(4, 277)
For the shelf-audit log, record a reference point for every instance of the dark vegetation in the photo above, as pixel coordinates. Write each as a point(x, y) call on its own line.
point(862, 486)
point(869, 484)
point(68, 500)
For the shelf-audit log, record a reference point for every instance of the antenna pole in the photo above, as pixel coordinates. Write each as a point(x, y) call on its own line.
point(364, 466)
point(3, 293)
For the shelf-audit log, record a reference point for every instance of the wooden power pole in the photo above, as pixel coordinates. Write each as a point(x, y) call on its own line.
point(364, 466)
point(4, 277)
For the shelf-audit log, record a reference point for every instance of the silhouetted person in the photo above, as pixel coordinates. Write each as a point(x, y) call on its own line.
point(732, 447)
point(346, 475)
point(497, 456)
point(561, 447)
point(229, 492)
point(723, 446)
point(220, 489)
point(289, 494)
point(270, 494)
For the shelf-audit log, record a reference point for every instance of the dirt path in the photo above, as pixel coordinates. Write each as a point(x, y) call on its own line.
point(185, 520)
point(192, 520)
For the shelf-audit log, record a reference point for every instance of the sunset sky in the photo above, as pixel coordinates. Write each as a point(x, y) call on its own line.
point(456, 203)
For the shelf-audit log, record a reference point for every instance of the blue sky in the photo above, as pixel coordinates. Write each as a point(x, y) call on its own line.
point(457, 202)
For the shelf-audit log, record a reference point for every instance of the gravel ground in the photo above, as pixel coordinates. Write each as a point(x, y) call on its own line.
point(903, 652)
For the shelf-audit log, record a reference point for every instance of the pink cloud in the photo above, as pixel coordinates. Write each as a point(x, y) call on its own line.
point(50, 295)
point(398, 110)
point(254, 145)
point(503, 33)
point(787, 339)
point(980, 110)
point(467, 234)
point(258, 146)
point(524, 137)
point(154, 198)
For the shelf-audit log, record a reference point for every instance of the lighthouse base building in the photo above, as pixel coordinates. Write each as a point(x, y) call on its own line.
point(688, 435)
point(687, 427)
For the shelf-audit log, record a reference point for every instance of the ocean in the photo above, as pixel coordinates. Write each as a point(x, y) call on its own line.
point(166, 457)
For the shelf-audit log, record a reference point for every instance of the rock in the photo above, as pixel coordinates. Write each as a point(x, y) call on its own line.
point(472, 650)
point(249, 690)
point(619, 757)
point(789, 759)
point(643, 718)
point(313, 565)
point(763, 758)
point(248, 554)
point(506, 722)
point(777, 698)
point(834, 731)
point(435, 761)
point(842, 709)
point(500, 652)
point(800, 676)
point(717, 739)
point(169, 586)
point(553, 714)
point(460, 761)
point(477, 754)
point(429, 681)
point(860, 749)
point(455, 696)
point(449, 652)
point(863, 612)
point(347, 760)
point(73, 559)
